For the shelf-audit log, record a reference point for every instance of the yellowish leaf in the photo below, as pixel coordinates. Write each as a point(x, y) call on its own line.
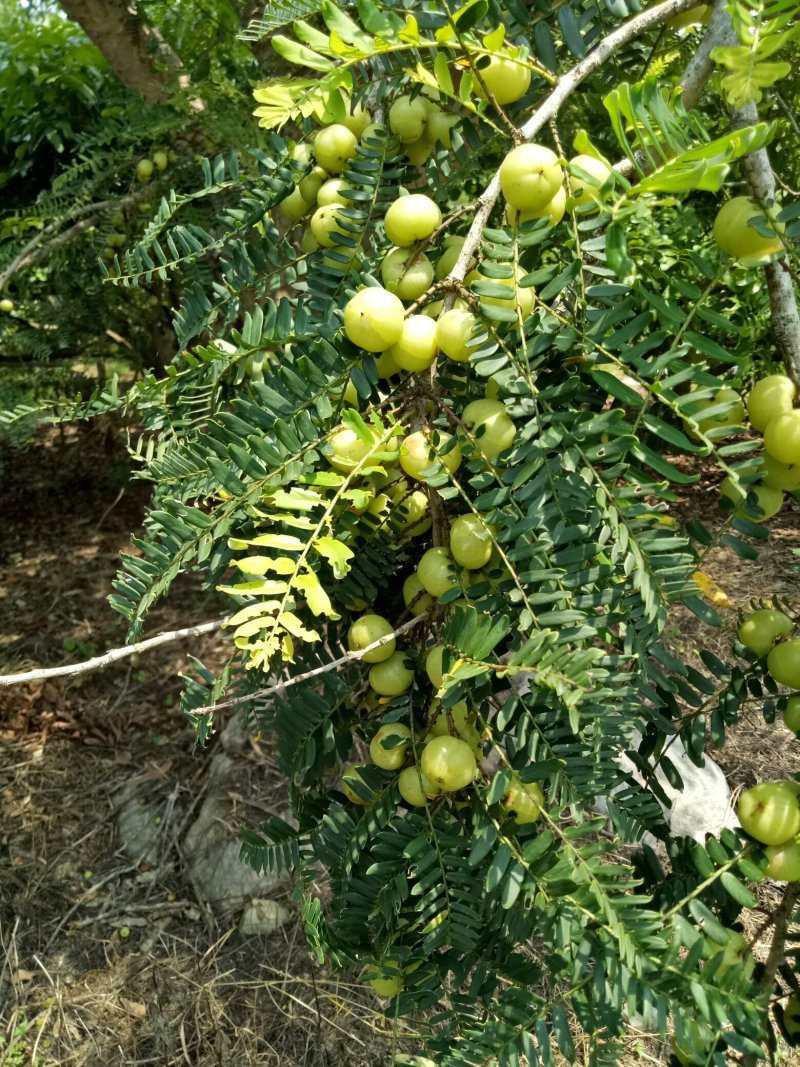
point(711, 591)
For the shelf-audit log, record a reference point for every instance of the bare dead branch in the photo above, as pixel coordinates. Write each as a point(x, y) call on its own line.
point(112, 656)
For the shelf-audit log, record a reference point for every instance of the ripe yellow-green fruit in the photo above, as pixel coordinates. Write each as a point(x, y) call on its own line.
point(494, 429)
point(415, 787)
point(392, 677)
point(447, 260)
point(439, 126)
point(348, 449)
point(783, 663)
point(357, 120)
point(311, 183)
point(734, 416)
point(784, 861)
point(436, 571)
point(386, 366)
point(478, 411)
point(340, 258)
point(144, 170)
point(449, 763)
point(769, 812)
point(459, 715)
point(433, 666)
point(411, 218)
point(365, 631)
point(524, 802)
point(553, 211)
point(417, 453)
point(416, 348)
point(770, 397)
point(470, 542)
point(406, 282)
point(778, 475)
point(160, 159)
point(334, 147)
point(782, 438)
point(586, 190)
point(530, 176)
point(507, 79)
point(330, 192)
point(734, 234)
point(418, 152)
point(414, 596)
point(6, 305)
point(454, 331)
point(325, 222)
point(301, 153)
point(791, 714)
point(762, 628)
point(390, 757)
point(308, 242)
point(407, 118)
point(767, 500)
point(373, 319)
point(294, 206)
point(414, 509)
point(518, 296)
point(351, 775)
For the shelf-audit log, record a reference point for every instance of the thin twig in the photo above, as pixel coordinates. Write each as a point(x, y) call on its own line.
point(334, 665)
point(111, 656)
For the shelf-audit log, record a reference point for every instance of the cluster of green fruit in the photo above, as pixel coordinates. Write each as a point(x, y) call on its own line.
point(770, 632)
point(420, 124)
point(771, 412)
point(160, 160)
point(735, 234)
point(532, 181)
point(770, 813)
point(117, 239)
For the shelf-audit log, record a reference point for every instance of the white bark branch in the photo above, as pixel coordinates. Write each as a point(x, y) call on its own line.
point(109, 657)
point(784, 315)
point(548, 110)
point(334, 665)
point(719, 34)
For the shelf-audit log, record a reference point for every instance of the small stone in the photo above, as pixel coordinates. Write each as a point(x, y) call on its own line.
point(263, 917)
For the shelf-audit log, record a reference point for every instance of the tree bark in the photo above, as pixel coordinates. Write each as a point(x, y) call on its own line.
point(136, 52)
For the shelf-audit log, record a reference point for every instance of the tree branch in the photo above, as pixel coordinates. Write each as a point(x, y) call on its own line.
point(548, 110)
point(781, 918)
point(719, 34)
point(784, 315)
point(334, 665)
point(31, 252)
point(109, 657)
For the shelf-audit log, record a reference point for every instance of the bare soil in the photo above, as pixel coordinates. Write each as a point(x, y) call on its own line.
point(105, 961)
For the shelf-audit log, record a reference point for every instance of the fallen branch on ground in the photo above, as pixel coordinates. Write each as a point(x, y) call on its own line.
point(111, 656)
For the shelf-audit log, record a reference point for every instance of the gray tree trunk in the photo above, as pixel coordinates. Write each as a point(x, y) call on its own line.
point(136, 52)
